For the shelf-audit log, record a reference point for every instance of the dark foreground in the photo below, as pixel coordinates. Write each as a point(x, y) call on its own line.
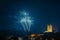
point(45, 36)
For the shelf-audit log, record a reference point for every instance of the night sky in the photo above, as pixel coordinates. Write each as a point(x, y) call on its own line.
point(43, 12)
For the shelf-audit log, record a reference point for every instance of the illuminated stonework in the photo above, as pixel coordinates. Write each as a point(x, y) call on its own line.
point(49, 28)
